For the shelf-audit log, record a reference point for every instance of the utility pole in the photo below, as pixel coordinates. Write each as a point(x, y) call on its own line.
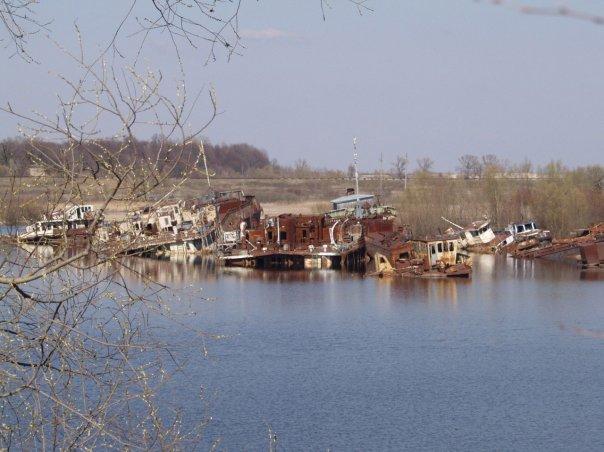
point(356, 169)
point(356, 173)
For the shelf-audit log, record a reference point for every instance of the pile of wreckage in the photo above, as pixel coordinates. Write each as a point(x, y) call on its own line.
point(525, 240)
point(358, 233)
point(182, 227)
point(71, 223)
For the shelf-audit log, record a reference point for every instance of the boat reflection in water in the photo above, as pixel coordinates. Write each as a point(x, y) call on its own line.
point(187, 269)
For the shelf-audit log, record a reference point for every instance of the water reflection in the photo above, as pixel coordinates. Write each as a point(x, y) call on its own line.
point(487, 267)
point(174, 270)
point(185, 269)
point(426, 290)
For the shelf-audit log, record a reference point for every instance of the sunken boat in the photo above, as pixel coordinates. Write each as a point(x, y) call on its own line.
point(333, 240)
point(525, 237)
point(194, 226)
point(68, 224)
point(398, 254)
point(584, 247)
point(477, 237)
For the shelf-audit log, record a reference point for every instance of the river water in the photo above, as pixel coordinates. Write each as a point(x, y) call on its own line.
point(513, 359)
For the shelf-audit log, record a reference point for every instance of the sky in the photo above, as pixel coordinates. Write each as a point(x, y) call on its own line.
point(426, 78)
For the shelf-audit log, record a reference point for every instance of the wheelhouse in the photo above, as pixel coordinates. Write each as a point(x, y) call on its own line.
point(435, 250)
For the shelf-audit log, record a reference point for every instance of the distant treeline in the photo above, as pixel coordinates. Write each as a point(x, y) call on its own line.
point(24, 158)
point(561, 201)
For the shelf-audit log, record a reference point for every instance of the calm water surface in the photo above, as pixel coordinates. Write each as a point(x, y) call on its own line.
point(513, 359)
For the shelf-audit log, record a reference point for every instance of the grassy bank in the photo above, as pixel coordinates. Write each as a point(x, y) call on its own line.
point(560, 201)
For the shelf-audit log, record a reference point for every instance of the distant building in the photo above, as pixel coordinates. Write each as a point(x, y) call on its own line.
point(36, 171)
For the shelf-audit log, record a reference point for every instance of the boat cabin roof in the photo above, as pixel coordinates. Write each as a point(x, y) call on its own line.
point(523, 223)
point(436, 238)
point(475, 225)
point(351, 198)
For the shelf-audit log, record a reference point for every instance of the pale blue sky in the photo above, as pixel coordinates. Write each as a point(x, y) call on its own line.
point(436, 78)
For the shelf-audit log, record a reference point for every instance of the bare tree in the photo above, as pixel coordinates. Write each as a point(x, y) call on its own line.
point(425, 164)
point(80, 362)
point(491, 163)
point(470, 166)
point(75, 357)
point(399, 166)
point(80, 366)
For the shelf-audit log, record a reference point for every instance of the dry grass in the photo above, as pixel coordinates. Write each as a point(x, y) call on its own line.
point(561, 203)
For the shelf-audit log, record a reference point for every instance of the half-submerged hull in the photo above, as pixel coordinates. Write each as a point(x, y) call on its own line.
point(394, 254)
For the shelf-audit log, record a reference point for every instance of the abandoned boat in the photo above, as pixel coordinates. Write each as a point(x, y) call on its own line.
point(334, 239)
point(523, 237)
point(477, 237)
point(359, 206)
point(291, 241)
point(70, 223)
point(584, 247)
point(397, 254)
point(183, 227)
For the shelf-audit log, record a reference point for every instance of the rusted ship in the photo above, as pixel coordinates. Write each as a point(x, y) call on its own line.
point(183, 227)
point(398, 254)
point(334, 240)
point(584, 247)
point(523, 237)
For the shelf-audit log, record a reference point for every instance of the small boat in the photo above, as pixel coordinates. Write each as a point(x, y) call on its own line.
point(396, 254)
point(477, 237)
point(525, 236)
point(70, 223)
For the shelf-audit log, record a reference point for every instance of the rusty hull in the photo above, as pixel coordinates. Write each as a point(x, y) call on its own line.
point(394, 254)
point(585, 248)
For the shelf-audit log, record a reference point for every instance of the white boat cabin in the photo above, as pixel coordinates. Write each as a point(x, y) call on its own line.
point(444, 250)
point(76, 213)
point(527, 228)
point(76, 217)
point(478, 233)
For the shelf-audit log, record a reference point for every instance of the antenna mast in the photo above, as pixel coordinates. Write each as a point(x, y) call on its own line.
point(356, 169)
point(205, 163)
point(356, 175)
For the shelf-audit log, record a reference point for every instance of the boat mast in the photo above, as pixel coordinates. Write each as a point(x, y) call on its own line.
point(205, 163)
point(356, 169)
point(454, 224)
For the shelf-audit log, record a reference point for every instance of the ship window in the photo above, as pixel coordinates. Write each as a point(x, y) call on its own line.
point(520, 228)
point(474, 233)
point(432, 249)
point(269, 235)
point(451, 246)
point(440, 247)
point(304, 234)
point(528, 226)
point(404, 255)
point(282, 235)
